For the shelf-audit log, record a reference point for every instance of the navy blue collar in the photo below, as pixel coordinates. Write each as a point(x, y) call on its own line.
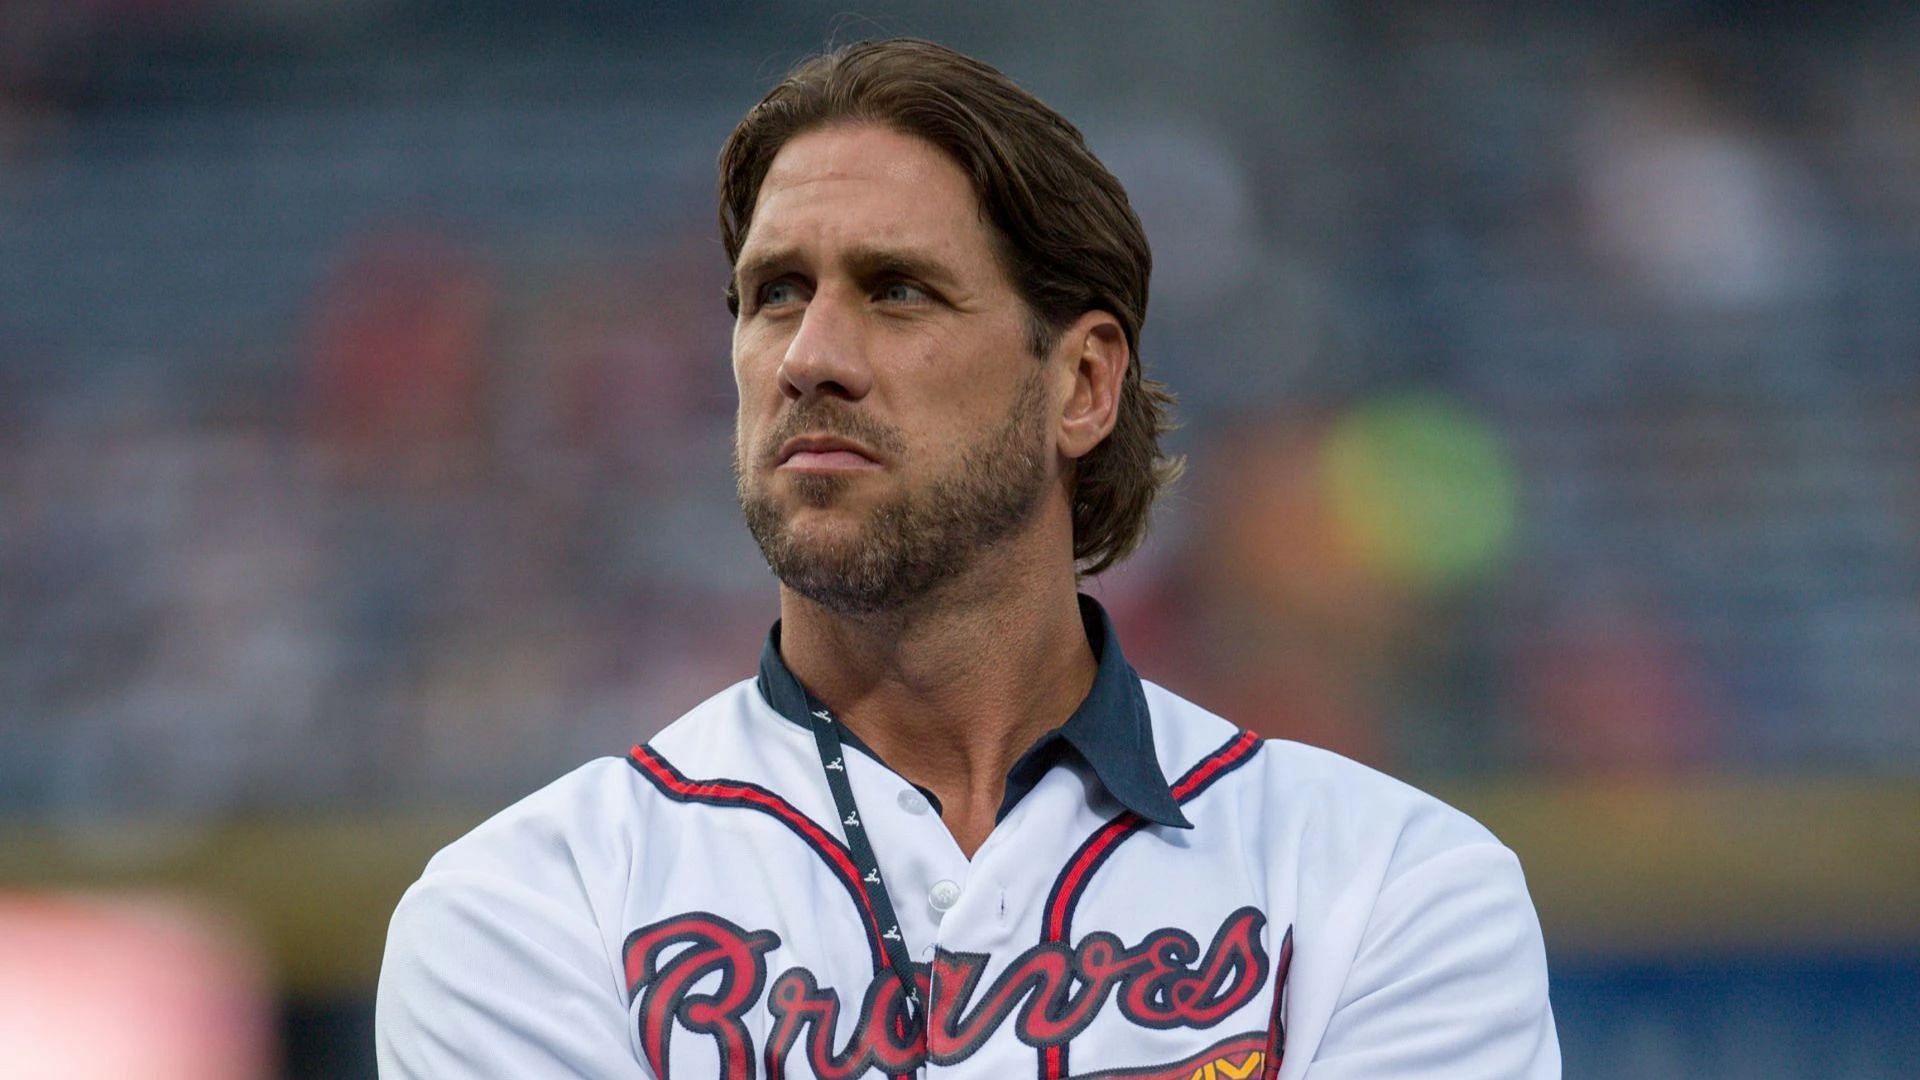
point(1111, 730)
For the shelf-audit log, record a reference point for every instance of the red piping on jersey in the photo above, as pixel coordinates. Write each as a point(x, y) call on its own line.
point(677, 787)
point(1080, 869)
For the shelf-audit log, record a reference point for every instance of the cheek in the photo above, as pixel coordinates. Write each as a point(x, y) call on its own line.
point(961, 393)
point(749, 420)
point(951, 425)
point(746, 395)
point(741, 357)
point(755, 376)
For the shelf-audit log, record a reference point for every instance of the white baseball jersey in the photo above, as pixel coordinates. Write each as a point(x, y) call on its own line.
point(1165, 895)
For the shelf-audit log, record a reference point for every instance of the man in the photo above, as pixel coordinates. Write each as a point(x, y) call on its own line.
point(947, 827)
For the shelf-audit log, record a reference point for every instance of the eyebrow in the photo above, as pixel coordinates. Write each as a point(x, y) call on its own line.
point(866, 263)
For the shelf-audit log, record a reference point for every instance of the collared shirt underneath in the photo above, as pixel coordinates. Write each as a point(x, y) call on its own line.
point(1111, 731)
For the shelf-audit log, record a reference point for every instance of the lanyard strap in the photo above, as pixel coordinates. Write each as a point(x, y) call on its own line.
point(826, 735)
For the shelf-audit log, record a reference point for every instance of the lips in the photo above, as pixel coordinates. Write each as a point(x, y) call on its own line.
point(825, 453)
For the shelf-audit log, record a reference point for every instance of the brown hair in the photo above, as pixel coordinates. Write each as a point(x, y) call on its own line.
point(1062, 223)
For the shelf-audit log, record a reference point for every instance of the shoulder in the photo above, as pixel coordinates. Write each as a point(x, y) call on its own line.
point(1330, 810)
point(544, 872)
point(1357, 802)
point(508, 945)
point(572, 820)
point(574, 840)
point(596, 816)
point(505, 930)
point(1413, 909)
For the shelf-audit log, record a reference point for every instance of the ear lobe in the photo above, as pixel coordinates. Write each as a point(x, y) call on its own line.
point(1097, 358)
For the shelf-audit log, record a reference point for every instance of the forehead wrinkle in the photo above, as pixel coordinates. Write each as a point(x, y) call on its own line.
point(798, 217)
point(860, 260)
point(875, 260)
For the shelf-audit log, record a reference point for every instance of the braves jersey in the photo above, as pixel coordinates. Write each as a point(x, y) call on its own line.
point(1164, 896)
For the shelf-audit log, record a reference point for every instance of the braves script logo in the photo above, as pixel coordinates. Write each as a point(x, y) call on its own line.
point(1050, 993)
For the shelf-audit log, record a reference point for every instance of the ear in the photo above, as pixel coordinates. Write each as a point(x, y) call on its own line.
point(1093, 358)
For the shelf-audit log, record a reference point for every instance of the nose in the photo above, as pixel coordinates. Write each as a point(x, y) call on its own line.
point(826, 356)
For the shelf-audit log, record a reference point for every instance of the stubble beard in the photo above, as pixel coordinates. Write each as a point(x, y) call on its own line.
point(917, 541)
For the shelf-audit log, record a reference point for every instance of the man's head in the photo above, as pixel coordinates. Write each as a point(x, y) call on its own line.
point(930, 264)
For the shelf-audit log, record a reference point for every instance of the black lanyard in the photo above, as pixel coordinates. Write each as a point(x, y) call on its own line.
point(826, 735)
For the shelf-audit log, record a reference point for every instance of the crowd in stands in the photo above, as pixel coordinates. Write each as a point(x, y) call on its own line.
point(1552, 396)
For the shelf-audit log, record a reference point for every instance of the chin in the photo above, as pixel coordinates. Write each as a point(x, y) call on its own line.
point(826, 533)
point(819, 491)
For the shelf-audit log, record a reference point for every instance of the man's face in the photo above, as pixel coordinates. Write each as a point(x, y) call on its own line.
point(893, 420)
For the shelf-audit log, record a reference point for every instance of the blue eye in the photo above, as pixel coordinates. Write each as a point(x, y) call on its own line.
point(778, 292)
point(900, 292)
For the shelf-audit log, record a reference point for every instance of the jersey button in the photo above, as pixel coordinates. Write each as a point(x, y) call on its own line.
point(943, 896)
point(913, 802)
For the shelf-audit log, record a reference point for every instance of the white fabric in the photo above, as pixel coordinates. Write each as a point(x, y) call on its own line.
point(1415, 949)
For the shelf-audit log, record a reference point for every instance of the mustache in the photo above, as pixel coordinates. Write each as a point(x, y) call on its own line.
point(827, 416)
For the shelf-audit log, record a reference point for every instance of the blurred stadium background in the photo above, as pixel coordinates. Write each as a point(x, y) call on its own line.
point(1551, 383)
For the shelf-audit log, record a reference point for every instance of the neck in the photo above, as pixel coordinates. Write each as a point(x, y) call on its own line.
point(953, 690)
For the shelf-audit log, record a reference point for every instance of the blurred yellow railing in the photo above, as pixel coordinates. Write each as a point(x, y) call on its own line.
point(1624, 867)
point(1632, 865)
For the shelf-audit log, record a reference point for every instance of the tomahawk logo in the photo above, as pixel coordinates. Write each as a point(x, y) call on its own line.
point(1050, 993)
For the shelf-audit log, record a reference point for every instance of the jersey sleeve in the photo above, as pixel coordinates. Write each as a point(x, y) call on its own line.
point(487, 977)
point(1450, 980)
